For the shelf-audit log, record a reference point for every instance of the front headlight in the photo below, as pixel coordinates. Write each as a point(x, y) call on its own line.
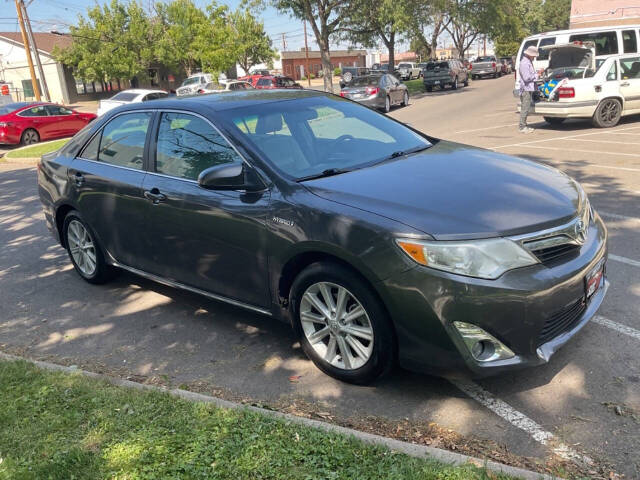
point(487, 258)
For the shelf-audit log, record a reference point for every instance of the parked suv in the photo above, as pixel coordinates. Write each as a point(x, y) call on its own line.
point(194, 82)
point(408, 70)
point(443, 73)
point(348, 74)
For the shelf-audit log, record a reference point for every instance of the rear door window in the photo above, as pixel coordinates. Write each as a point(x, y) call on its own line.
point(57, 110)
point(121, 141)
point(544, 54)
point(606, 42)
point(629, 41)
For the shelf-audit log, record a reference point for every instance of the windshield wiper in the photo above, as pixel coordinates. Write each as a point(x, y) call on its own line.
point(403, 153)
point(329, 172)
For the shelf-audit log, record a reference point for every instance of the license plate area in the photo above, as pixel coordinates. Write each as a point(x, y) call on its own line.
point(593, 279)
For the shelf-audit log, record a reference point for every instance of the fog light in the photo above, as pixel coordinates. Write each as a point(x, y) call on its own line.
point(482, 345)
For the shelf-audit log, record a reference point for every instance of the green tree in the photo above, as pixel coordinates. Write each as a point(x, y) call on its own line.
point(325, 18)
point(368, 21)
point(253, 46)
point(114, 41)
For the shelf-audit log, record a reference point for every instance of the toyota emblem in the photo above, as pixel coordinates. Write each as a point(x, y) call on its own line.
point(580, 230)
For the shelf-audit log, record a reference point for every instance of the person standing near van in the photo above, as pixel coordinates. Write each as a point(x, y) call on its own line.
point(528, 77)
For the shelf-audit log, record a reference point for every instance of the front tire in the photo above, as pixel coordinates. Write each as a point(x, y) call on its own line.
point(84, 250)
point(608, 113)
point(341, 323)
point(29, 137)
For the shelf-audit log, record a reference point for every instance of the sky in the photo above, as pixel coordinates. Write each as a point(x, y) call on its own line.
point(47, 15)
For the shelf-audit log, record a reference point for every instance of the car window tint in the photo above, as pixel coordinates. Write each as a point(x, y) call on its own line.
point(90, 151)
point(58, 110)
point(544, 54)
point(613, 72)
point(606, 42)
point(630, 68)
point(125, 96)
point(263, 82)
point(527, 44)
point(629, 41)
point(39, 111)
point(123, 139)
point(187, 145)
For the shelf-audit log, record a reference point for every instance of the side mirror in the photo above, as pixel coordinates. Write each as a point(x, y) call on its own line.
point(235, 176)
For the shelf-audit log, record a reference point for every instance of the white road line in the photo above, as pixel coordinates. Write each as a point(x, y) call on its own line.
point(621, 133)
point(605, 322)
point(593, 151)
point(487, 128)
point(519, 420)
point(564, 137)
point(626, 260)
point(618, 217)
point(602, 141)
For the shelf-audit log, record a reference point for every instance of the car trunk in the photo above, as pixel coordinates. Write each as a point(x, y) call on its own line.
point(569, 66)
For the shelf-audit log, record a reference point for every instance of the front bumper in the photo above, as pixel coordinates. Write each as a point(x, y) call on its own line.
point(514, 308)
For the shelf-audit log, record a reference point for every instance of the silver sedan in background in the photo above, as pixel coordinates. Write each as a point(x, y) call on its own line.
point(380, 91)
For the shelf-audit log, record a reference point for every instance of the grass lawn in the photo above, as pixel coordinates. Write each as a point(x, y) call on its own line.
point(37, 150)
point(55, 425)
point(415, 86)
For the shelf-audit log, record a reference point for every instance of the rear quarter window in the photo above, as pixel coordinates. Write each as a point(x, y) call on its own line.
point(606, 42)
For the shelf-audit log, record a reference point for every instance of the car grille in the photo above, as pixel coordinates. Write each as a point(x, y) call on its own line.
point(561, 321)
point(556, 253)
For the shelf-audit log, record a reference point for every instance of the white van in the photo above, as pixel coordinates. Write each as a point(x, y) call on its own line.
point(609, 41)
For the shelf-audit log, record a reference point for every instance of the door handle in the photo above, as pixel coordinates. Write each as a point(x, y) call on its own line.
point(625, 84)
point(155, 196)
point(79, 178)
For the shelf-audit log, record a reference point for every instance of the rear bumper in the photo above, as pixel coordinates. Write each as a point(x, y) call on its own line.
point(516, 309)
point(373, 102)
point(483, 72)
point(566, 109)
point(436, 81)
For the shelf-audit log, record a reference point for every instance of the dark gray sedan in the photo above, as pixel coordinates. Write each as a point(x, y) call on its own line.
point(381, 91)
point(376, 242)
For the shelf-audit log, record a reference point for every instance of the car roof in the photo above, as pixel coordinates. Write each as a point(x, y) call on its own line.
point(139, 91)
point(227, 101)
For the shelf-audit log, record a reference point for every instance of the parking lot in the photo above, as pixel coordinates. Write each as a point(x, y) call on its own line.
point(585, 404)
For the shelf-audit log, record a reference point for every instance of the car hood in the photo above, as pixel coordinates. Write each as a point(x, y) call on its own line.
point(453, 191)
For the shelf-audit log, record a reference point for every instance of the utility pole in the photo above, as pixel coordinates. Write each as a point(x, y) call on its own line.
point(36, 54)
point(306, 52)
point(284, 43)
point(27, 51)
point(485, 46)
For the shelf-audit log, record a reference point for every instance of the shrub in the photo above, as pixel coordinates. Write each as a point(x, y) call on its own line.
point(337, 71)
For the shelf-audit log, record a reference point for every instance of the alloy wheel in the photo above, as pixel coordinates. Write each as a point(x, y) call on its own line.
point(336, 325)
point(609, 112)
point(30, 137)
point(81, 247)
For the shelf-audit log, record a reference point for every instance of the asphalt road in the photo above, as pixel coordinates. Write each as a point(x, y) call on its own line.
point(587, 398)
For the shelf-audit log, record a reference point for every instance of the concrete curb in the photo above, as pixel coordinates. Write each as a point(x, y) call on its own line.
point(419, 451)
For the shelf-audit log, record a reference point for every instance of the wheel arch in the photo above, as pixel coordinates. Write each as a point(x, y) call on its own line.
point(301, 260)
point(609, 97)
point(30, 128)
point(61, 214)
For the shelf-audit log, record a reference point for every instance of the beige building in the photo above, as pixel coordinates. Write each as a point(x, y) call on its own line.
point(596, 13)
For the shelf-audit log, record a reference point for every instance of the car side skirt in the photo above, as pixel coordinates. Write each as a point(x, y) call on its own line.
point(182, 286)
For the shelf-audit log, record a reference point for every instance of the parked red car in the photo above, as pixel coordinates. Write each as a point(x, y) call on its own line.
point(271, 81)
point(29, 123)
point(253, 77)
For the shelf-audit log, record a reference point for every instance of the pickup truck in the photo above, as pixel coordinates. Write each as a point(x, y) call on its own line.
point(486, 67)
point(408, 70)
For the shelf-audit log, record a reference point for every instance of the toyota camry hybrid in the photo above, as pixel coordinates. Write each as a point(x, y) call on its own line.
point(379, 244)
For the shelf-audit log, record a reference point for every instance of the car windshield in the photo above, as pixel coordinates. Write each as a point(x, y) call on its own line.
point(11, 107)
point(404, 65)
point(125, 96)
point(364, 81)
point(321, 135)
point(190, 81)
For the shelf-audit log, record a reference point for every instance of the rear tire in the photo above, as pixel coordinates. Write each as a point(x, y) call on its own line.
point(554, 120)
point(84, 250)
point(466, 81)
point(454, 84)
point(608, 113)
point(429, 89)
point(405, 99)
point(29, 137)
point(367, 338)
point(387, 104)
